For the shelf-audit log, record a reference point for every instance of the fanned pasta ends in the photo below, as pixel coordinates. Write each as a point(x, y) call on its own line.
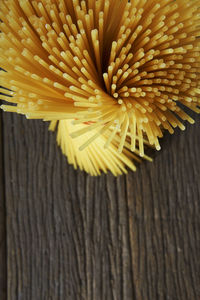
point(109, 75)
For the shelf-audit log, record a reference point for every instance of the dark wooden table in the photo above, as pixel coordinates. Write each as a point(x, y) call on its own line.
point(66, 235)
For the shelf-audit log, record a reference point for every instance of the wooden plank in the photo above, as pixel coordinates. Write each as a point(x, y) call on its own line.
point(3, 275)
point(72, 236)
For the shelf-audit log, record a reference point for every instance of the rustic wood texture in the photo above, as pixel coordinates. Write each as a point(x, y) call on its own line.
point(72, 236)
point(3, 275)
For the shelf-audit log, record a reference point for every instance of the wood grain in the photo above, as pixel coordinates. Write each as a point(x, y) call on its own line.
point(72, 236)
point(3, 275)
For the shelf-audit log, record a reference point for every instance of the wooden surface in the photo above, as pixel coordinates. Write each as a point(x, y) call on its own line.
point(72, 236)
point(3, 271)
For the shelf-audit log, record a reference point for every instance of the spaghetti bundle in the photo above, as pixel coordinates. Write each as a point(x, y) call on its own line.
point(112, 75)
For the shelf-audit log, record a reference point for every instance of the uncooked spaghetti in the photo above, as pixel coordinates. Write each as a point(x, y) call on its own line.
point(111, 73)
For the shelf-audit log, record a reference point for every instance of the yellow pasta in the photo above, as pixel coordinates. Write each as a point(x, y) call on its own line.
point(111, 74)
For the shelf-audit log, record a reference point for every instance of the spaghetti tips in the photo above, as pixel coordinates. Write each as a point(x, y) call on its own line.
point(112, 74)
